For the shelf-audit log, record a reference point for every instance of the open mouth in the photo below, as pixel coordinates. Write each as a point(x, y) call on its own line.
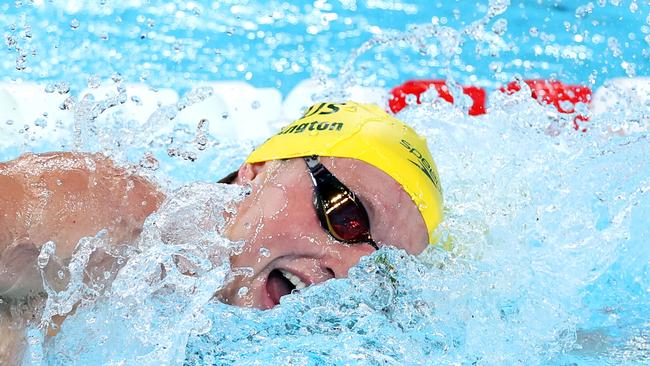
point(280, 283)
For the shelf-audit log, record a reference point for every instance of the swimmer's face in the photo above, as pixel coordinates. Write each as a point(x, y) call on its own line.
point(285, 245)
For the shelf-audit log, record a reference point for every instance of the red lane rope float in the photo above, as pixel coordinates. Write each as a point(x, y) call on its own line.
point(416, 87)
point(562, 96)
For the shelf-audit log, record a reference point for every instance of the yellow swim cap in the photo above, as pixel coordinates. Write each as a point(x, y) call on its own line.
point(367, 133)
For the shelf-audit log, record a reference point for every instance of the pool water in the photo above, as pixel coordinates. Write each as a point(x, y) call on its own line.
point(550, 264)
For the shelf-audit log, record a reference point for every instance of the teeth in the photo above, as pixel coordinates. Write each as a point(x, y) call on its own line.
point(293, 279)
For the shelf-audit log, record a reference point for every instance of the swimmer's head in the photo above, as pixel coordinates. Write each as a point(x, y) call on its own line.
point(327, 190)
point(364, 132)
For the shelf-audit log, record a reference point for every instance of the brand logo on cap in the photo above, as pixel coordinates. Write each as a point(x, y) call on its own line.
point(423, 164)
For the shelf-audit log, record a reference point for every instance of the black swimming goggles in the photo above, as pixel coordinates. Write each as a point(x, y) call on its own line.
point(340, 212)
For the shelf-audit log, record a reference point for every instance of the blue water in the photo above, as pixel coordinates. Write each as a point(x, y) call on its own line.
point(550, 263)
point(175, 43)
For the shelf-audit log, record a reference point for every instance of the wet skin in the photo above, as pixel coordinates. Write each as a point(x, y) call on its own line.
point(71, 195)
point(279, 218)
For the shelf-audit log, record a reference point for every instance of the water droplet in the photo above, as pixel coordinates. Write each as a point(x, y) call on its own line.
point(584, 10)
point(188, 155)
point(411, 99)
point(150, 162)
point(144, 75)
point(135, 99)
point(94, 82)
point(10, 122)
point(40, 122)
point(224, 115)
point(10, 41)
point(21, 62)
point(500, 26)
point(497, 7)
point(116, 77)
point(255, 104)
point(47, 250)
point(62, 88)
point(242, 291)
point(265, 252)
point(59, 182)
point(74, 23)
point(60, 274)
point(68, 104)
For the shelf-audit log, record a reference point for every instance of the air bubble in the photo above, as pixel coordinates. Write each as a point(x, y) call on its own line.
point(255, 104)
point(74, 24)
point(9, 122)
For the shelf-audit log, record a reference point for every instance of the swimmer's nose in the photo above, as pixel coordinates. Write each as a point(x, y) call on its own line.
point(344, 256)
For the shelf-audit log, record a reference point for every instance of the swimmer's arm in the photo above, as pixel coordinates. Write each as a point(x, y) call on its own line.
point(63, 197)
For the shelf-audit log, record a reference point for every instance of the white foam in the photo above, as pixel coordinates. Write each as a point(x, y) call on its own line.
point(618, 92)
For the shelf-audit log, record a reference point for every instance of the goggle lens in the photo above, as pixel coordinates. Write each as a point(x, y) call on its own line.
point(341, 214)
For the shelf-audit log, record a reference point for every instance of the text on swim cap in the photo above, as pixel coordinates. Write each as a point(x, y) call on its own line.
point(322, 108)
point(319, 126)
point(423, 164)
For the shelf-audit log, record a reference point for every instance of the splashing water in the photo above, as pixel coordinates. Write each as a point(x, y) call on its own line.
point(536, 232)
point(550, 262)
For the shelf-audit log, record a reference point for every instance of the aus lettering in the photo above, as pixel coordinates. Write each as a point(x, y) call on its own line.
point(322, 108)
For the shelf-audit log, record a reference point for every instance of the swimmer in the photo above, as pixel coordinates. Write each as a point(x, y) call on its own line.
point(330, 188)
